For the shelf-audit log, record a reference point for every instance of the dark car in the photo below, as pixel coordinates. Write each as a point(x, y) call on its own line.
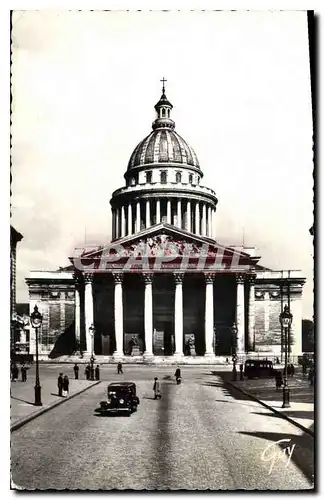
point(259, 368)
point(121, 398)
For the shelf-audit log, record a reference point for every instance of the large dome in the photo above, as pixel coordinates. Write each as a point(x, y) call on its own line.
point(163, 146)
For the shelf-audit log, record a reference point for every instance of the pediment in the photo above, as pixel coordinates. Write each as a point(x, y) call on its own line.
point(166, 243)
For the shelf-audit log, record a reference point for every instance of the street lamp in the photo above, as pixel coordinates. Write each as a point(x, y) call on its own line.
point(36, 321)
point(285, 320)
point(92, 332)
point(234, 355)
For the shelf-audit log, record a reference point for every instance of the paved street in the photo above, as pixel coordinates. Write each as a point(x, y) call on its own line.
point(199, 436)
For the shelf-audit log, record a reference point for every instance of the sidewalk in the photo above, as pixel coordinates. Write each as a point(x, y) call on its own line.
point(22, 406)
point(301, 411)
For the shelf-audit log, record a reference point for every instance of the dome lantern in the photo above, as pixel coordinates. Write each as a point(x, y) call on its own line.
point(163, 109)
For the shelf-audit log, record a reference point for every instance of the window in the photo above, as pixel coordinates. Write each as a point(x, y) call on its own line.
point(163, 112)
point(163, 177)
point(148, 176)
point(190, 178)
point(168, 113)
point(178, 177)
point(198, 179)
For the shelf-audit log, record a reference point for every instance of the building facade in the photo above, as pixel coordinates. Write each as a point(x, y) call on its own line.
point(164, 287)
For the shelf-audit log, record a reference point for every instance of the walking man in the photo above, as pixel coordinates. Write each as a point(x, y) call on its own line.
point(97, 372)
point(60, 384)
point(156, 389)
point(119, 368)
point(87, 372)
point(278, 380)
point(76, 371)
point(23, 373)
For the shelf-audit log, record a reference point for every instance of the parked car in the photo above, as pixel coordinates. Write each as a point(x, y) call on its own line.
point(259, 368)
point(121, 398)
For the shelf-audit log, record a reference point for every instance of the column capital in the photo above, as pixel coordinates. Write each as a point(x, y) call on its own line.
point(251, 280)
point(209, 277)
point(118, 278)
point(76, 278)
point(240, 278)
point(148, 278)
point(178, 278)
point(88, 278)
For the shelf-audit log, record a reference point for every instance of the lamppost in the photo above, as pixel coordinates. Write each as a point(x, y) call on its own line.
point(92, 332)
point(234, 355)
point(285, 320)
point(36, 321)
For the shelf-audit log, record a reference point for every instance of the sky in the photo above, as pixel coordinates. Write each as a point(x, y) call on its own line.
point(84, 86)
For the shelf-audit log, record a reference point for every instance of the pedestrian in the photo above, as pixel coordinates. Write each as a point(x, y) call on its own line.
point(277, 361)
point(311, 376)
point(65, 385)
point(292, 370)
point(14, 372)
point(278, 380)
point(178, 375)
point(156, 389)
point(87, 372)
point(119, 368)
point(288, 371)
point(304, 368)
point(76, 371)
point(97, 372)
point(60, 384)
point(23, 370)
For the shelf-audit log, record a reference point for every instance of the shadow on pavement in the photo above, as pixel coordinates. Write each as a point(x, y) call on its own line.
point(55, 394)
point(112, 415)
point(302, 453)
point(23, 400)
point(269, 395)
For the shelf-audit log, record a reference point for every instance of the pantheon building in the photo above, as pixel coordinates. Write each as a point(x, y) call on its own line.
point(164, 289)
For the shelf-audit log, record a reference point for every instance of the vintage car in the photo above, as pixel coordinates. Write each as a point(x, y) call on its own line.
point(259, 368)
point(121, 398)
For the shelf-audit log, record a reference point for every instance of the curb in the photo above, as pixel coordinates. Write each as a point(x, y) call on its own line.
point(50, 406)
point(277, 412)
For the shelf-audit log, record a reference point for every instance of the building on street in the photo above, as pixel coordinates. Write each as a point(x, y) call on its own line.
point(164, 286)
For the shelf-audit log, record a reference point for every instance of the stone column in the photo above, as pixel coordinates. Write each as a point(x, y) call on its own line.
point(113, 223)
point(88, 310)
point(158, 211)
point(197, 221)
point(138, 217)
point(251, 314)
point(117, 219)
point(179, 218)
point(118, 312)
point(209, 314)
point(178, 314)
point(240, 321)
point(123, 220)
point(148, 315)
point(209, 218)
point(148, 214)
point(169, 211)
point(204, 217)
point(77, 311)
point(189, 216)
point(129, 221)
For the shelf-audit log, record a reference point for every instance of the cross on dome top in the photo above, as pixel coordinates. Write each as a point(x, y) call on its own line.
point(163, 82)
